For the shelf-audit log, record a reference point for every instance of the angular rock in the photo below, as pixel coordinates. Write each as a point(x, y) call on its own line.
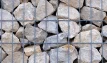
point(105, 19)
point(104, 30)
point(95, 15)
point(32, 50)
point(2, 55)
point(55, 41)
point(72, 28)
point(85, 55)
point(62, 55)
point(54, 3)
point(1, 32)
point(74, 3)
point(43, 9)
point(87, 37)
point(63, 12)
point(50, 25)
point(35, 34)
point(8, 38)
point(20, 32)
point(9, 5)
point(24, 41)
point(25, 13)
point(23, 1)
point(17, 58)
point(35, 2)
point(39, 58)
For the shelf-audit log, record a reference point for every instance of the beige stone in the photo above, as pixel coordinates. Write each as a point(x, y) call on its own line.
point(35, 2)
point(2, 54)
point(20, 32)
point(104, 31)
point(24, 1)
point(54, 3)
point(24, 41)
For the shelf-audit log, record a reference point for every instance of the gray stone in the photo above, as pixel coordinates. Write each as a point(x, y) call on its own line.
point(104, 30)
point(20, 32)
point(2, 54)
point(105, 19)
point(24, 41)
point(35, 2)
point(54, 3)
point(1, 32)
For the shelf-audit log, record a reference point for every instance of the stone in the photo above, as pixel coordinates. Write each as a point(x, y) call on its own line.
point(74, 3)
point(97, 4)
point(9, 23)
point(8, 38)
point(105, 19)
point(62, 55)
point(1, 32)
point(42, 57)
point(23, 1)
point(72, 28)
point(17, 58)
point(55, 41)
point(62, 12)
point(104, 31)
point(84, 38)
point(35, 2)
point(24, 13)
point(2, 55)
point(94, 16)
point(20, 32)
point(24, 41)
point(35, 34)
point(42, 11)
point(50, 25)
point(85, 55)
point(54, 3)
point(32, 50)
point(9, 5)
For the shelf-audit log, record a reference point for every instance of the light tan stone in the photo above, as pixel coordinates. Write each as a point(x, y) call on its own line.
point(20, 32)
point(2, 54)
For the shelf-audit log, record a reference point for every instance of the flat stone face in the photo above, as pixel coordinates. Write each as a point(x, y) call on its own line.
point(72, 28)
point(20, 32)
point(87, 37)
point(63, 12)
point(9, 5)
point(85, 55)
point(17, 58)
point(35, 34)
point(61, 54)
point(35, 2)
point(50, 25)
point(39, 58)
point(24, 12)
point(74, 3)
point(2, 54)
point(42, 11)
point(51, 42)
point(104, 30)
point(7, 38)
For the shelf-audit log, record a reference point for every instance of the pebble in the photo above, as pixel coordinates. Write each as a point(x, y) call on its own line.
point(2, 55)
point(104, 31)
point(20, 32)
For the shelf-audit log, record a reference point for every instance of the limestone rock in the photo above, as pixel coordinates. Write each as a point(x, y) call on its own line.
point(2, 54)
point(23, 1)
point(54, 3)
point(87, 37)
point(24, 41)
point(50, 25)
point(104, 30)
point(20, 32)
point(1, 32)
point(35, 2)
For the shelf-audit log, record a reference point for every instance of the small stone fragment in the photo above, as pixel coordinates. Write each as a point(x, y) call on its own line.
point(32, 50)
point(17, 58)
point(54, 3)
point(104, 30)
point(2, 55)
point(35, 2)
point(24, 41)
point(50, 25)
point(63, 53)
point(20, 32)
point(86, 37)
point(62, 12)
point(105, 19)
point(23, 1)
point(85, 55)
point(39, 58)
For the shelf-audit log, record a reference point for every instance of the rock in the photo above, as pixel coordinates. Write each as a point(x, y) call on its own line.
point(43, 9)
point(55, 41)
point(24, 41)
point(9, 23)
point(105, 19)
point(104, 31)
point(85, 55)
point(32, 50)
point(1, 32)
point(72, 28)
point(63, 12)
point(62, 55)
point(97, 4)
point(20, 32)
point(95, 15)
point(8, 39)
point(2, 55)
point(25, 13)
point(54, 3)
point(9, 5)
point(17, 58)
point(35, 34)
point(50, 25)
point(39, 58)
point(35, 2)
point(74, 3)
point(23, 1)
point(87, 37)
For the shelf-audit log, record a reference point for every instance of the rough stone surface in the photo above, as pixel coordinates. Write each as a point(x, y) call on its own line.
point(25, 12)
point(105, 20)
point(63, 54)
point(35, 2)
point(39, 58)
point(2, 54)
point(1, 32)
point(104, 30)
point(20, 32)
point(72, 28)
point(51, 42)
point(35, 34)
point(95, 15)
point(54, 3)
point(88, 37)
point(23, 1)
point(50, 25)
point(17, 58)
point(74, 3)
point(24, 41)
point(7, 38)
point(85, 55)
point(63, 12)
point(32, 50)
point(9, 5)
